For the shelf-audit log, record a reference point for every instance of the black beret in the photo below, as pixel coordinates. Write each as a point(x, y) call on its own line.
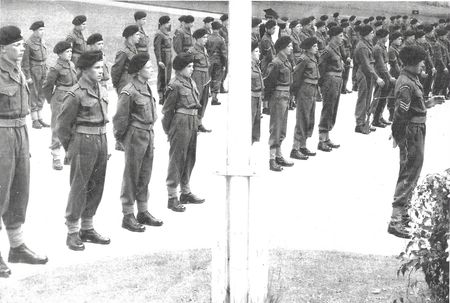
point(405, 17)
point(366, 21)
point(365, 30)
point(435, 24)
point(335, 30)
point(420, 27)
point(378, 23)
point(9, 34)
point(36, 25)
point(199, 33)
point(163, 20)
point(61, 46)
point(308, 43)
point(409, 33)
point(94, 38)
point(320, 24)
point(285, 19)
point(392, 18)
point(357, 22)
point(441, 32)
point(419, 34)
point(188, 19)
point(353, 17)
point(137, 62)
point(396, 27)
point(413, 21)
point(255, 44)
point(181, 18)
point(428, 28)
point(305, 21)
point(336, 15)
point(208, 19)
point(379, 18)
point(395, 36)
point(442, 21)
point(371, 18)
point(89, 58)
point(216, 25)
point(382, 33)
point(383, 18)
point(398, 17)
point(270, 13)
point(344, 20)
point(324, 17)
point(130, 30)
point(256, 22)
point(269, 24)
point(282, 43)
point(224, 17)
point(295, 23)
point(182, 60)
point(345, 24)
point(357, 28)
point(78, 20)
point(331, 24)
point(412, 55)
point(139, 15)
point(312, 18)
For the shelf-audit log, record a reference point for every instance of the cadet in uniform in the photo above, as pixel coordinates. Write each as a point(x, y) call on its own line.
point(207, 24)
point(95, 43)
point(267, 50)
point(321, 35)
point(119, 73)
point(306, 90)
point(430, 70)
point(331, 67)
point(81, 128)
point(182, 41)
point(257, 90)
point(180, 123)
point(201, 73)
point(296, 49)
point(305, 32)
point(441, 62)
point(395, 67)
point(76, 37)
point(144, 40)
point(224, 33)
point(34, 67)
point(59, 81)
point(218, 56)
point(14, 148)
point(382, 92)
point(408, 130)
point(365, 79)
point(163, 52)
point(277, 90)
point(346, 49)
point(255, 30)
point(133, 126)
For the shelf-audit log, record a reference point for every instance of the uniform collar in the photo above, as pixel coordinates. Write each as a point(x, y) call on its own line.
point(11, 69)
point(199, 48)
point(334, 46)
point(312, 57)
point(90, 86)
point(282, 57)
point(141, 86)
point(184, 80)
point(411, 76)
point(187, 31)
point(132, 47)
point(77, 33)
point(63, 63)
point(165, 34)
point(35, 39)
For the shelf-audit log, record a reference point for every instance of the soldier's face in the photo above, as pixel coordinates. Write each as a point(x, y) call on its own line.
point(95, 72)
point(40, 32)
point(141, 22)
point(288, 49)
point(314, 49)
point(98, 46)
point(208, 25)
point(135, 37)
point(147, 70)
point(340, 37)
point(298, 28)
point(255, 54)
point(14, 51)
point(66, 55)
point(82, 26)
point(187, 71)
point(271, 31)
point(398, 41)
point(202, 40)
point(420, 67)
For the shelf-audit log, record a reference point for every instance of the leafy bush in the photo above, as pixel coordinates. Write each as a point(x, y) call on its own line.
point(428, 247)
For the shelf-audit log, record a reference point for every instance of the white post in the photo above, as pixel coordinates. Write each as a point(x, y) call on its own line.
point(239, 265)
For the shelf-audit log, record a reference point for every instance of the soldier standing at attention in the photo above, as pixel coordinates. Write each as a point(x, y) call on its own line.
point(305, 32)
point(296, 49)
point(410, 39)
point(257, 89)
point(201, 74)
point(255, 30)
point(277, 89)
point(182, 41)
point(408, 131)
point(365, 76)
point(133, 126)
point(346, 49)
point(395, 67)
point(35, 69)
point(331, 67)
point(224, 33)
point(382, 92)
point(59, 81)
point(267, 50)
point(81, 128)
point(180, 123)
point(163, 52)
point(144, 40)
point(207, 24)
point(306, 90)
point(14, 146)
point(76, 37)
point(95, 43)
point(321, 35)
point(430, 70)
point(218, 56)
point(441, 62)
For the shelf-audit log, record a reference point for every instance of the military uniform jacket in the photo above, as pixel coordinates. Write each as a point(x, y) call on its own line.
point(135, 106)
point(106, 74)
point(181, 94)
point(306, 68)
point(426, 46)
point(279, 74)
point(217, 49)
point(257, 80)
point(35, 55)
point(144, 41)
point(163, 47)
point(182, 41)
point(321, 41)
point(201, 60)
point(256, 38)
point(78, 42)
point(331, 60)
point(296, 43)
point(347, 46)
point(119, 71)
point(14, 92)
point(62, 76)
point(381, 59)
point(304, 33)
point(224, 33)
point(394, 61)
point(85, 104)
point(267, 49)
point(363, 56)
point(441, 55)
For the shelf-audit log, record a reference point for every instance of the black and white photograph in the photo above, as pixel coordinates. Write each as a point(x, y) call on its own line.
point(133, 170)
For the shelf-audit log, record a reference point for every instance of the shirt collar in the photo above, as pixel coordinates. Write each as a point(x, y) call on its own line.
point(63, 63)
point(132, 47)
point(89, 85)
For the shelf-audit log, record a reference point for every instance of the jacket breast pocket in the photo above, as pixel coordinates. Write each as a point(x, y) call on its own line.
point(89, 106)
point(142, 106)
point(187, 40)
point(285, 75)
point(8, 97)
point(186, 99)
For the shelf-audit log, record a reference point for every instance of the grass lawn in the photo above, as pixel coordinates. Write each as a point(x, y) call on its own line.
point(296, 276)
